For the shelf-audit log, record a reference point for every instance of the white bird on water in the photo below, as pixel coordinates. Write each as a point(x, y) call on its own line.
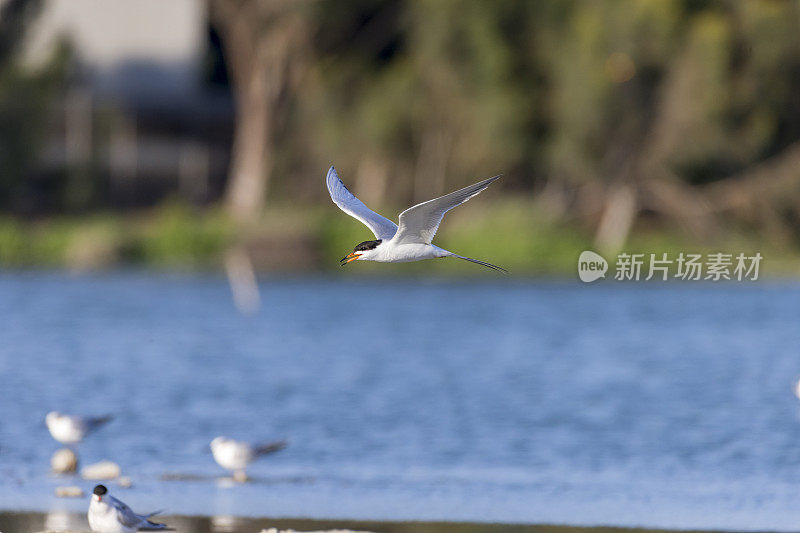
point(109, 515)
point(410, 240)
point(71, 429)
point(235, 455)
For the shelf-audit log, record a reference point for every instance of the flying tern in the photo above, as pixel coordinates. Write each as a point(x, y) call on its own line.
point(109, 515)
point(235, 455)
point(71, 429)
point(410, 239)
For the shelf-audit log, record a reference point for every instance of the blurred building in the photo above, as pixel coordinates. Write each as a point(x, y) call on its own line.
point(147, 112)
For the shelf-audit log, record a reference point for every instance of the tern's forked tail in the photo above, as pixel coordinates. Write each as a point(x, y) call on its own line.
point(484, 263)
point(270, 447)
point(98, 421)
point(154, 526)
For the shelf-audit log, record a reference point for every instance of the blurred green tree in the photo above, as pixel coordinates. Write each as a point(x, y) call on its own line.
point(25, 97)
point(682, 114)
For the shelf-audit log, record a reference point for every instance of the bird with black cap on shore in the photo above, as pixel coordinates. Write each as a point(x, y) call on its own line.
point(109, 515)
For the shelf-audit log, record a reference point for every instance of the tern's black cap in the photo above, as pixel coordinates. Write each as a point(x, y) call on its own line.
point(366, 245)
point(100, 490)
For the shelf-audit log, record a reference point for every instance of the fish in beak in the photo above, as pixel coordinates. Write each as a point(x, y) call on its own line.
point(352, 256)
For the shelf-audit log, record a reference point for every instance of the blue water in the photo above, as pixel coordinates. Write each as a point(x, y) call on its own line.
point(512, 401)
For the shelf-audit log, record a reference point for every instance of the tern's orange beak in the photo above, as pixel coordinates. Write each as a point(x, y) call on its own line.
point(352, 256)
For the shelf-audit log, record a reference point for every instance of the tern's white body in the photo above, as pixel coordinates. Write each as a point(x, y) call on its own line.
point(410, 239)
point(71, 429)
point(232, 454)
point(393, 252)
point(109, 515)
point(797, 388)
point(235, 455)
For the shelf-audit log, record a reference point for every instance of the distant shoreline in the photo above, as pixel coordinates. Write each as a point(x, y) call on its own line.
point(511, 233)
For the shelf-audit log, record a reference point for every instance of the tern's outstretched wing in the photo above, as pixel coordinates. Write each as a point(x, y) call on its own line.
point(418, 224)
point(382, 227)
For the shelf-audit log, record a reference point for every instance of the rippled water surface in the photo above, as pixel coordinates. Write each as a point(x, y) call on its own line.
point(511, 401)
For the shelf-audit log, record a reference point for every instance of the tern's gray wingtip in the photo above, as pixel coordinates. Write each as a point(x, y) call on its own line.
point(332, 176)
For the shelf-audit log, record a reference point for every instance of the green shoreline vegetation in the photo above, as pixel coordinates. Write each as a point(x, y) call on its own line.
point(508, 232)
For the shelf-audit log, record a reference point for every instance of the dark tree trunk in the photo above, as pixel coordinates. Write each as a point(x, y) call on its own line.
point(263, 43)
